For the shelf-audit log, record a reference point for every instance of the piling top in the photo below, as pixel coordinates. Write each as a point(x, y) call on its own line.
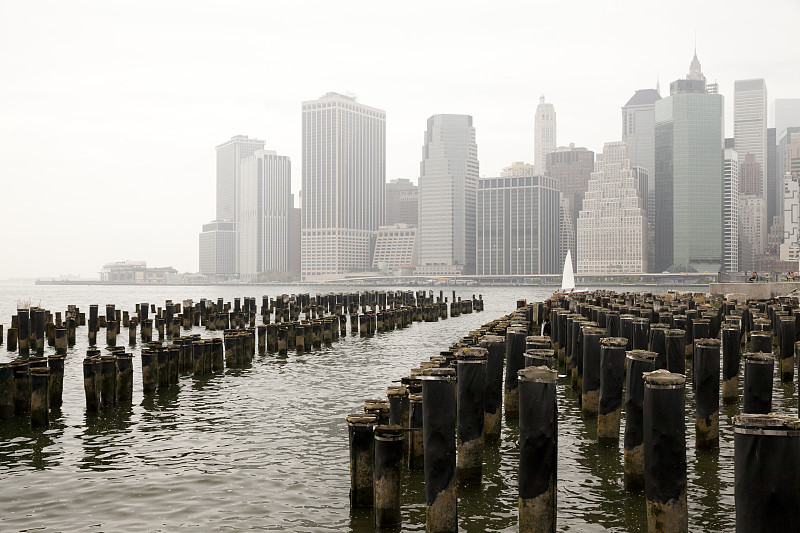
point(761, 333)
point(642, 355)
point(614, 342)
point(759, 357)
point(674, 333)
point(540, 352)
point(594, 330)
point(476, 354)
point(664, 379)
point(626, 316)
point(389, 432)
point(711, 343)
point(396, 390)
point(360, 419)
point(701, 321)
point(659, 325)
point(537, 338)
point(376, 405)
point(439, 373)
point(769, 425)
point(641, 320)
point(537, 374)
point(416, 397)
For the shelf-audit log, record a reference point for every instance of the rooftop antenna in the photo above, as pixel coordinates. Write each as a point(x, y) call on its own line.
point(658, 86)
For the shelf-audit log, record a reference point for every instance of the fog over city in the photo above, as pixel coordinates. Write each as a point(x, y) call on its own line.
point(110, 111)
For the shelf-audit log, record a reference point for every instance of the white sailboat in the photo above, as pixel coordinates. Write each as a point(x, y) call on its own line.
point(568, 277)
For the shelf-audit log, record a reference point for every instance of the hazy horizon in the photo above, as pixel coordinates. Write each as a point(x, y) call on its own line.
point(111, 111)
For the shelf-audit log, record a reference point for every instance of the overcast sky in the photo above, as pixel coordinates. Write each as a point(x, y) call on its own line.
point(110, 111)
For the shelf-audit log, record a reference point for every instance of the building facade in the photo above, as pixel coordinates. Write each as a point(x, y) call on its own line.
point(518, 226)
point(787, 114)
point(790, 248)
point(639, 129)
point(566, 233)
point(730, 212)
point(612, 226)
point(544, 134)
point(447, 182)
point(343, 182)
point(263, 220)
point(218, 250)
point(688, 176)
point(402, 202)
point(395, 246)
point(572, 167)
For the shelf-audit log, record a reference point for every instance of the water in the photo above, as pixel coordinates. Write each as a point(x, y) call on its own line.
point(266, 447)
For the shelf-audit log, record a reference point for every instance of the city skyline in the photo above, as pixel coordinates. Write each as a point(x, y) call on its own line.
point(160, 105)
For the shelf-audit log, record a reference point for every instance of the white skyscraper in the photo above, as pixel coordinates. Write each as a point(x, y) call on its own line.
point(544, 134)
point(344, 175)
point(229, 155)
point(612, 226)
point(447, 182)
point(265, 201)
point(750, 124)
point(752, 235)
point(639, 130)
point(787, 113)
point(730, 212)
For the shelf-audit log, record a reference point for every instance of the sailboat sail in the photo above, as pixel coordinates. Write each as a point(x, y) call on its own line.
point(568, 278)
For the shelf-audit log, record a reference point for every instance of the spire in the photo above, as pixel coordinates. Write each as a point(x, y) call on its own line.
point(695, 72)
point(658, 86)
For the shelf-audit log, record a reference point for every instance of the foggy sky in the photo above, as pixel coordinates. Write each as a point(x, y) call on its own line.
point(110, 111)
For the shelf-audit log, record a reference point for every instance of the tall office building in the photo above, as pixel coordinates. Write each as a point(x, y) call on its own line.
point(566, 233)
point(787, 114)
point(639, 129)
point(344, 176)
point(544, 134)
point(218, 241)
point(265, 203)
point(402, 202)
point(730, 212)
point(750, 141)
point(229, 156)
point(447, 181)
point(218, 250)
point(772, 176)
point(395, 246)
point(752, 214)
point(783, 159)
point(612, 226)
point(688, 176)
point(517, 225)
point(572, 167)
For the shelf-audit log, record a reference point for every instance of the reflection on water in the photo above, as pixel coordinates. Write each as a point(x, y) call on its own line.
point(265, 447)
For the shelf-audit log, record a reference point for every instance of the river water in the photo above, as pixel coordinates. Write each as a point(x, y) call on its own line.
point(266, 447)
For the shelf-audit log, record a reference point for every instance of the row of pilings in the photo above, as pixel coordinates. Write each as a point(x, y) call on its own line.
point(626, 356)
point(31, 385)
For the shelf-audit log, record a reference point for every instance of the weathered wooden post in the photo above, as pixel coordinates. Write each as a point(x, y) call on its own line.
point(612, 378)
point(665, 452)
point(706, 377)
point(39, 400)
point(766, 473)
point(731, 350)
point(538, 449)
point(639, 362)
point(439, 435)
point(362, 446)
point(55, 389)
point(759, 369)
point(471, 399)
point(386, 488)
point(515, 361)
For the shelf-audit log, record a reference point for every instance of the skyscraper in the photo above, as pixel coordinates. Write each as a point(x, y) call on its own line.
point(518, 224)
point(544, 134)
point(730, 212)
point(229, 155)
point(447, 181)
point(750, 141)
point(402, 202)
point(688, 176)
point(772, 176)
point(265, 203)
point(639, 129)
point(787, 113)
point(612, 226)
point(571, 167)
point(344, 175)
point(219, 239)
